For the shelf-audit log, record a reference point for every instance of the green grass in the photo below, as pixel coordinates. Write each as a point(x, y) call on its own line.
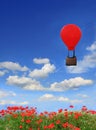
point(20, 118)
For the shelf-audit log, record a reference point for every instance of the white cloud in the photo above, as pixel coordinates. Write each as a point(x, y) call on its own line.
point(8, 102)
point(47, 97)
point(12, 66)
point(89, 61)
point(71, 101)
point(24, 82)
point(19, 81)
point(23, 103)
point(11, 93)
point(64, 99)
point(92, 47)
point(5, 93)
point(70, 84)
point(51, 97)
point(82, 95)
point(43, 72)
point(3, 72)
point(5, 102)
point(41, 60)
point(32, 84)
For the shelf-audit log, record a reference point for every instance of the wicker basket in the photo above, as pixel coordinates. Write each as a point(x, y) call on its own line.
point(71, 61)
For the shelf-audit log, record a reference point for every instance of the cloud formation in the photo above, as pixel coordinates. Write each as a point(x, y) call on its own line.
point(82, 95)
point(5, 93)
point(41, 60)
point(70, 84)
point(12, 66)
point(43, 72)
point(92, 47)
point(51, 97)
point(3, 72)
point(32, 84)
point(8, 102)
point(89, 61)
point(24, 82)
point(47, 97)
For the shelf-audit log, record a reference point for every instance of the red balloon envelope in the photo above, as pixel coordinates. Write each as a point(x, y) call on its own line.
point(70, 35)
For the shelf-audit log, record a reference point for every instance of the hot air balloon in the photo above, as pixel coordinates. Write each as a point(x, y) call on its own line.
point(70, 35)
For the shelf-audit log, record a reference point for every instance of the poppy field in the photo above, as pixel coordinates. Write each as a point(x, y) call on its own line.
point(25, 118)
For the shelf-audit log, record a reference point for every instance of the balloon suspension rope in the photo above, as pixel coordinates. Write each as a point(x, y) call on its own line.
point(73, 53)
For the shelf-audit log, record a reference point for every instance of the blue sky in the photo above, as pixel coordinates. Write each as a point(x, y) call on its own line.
point(32, 54)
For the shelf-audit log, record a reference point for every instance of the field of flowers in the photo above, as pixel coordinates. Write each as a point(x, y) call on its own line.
point(25, 118)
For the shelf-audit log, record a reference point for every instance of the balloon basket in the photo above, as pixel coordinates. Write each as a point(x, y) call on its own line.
point(71, 61)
